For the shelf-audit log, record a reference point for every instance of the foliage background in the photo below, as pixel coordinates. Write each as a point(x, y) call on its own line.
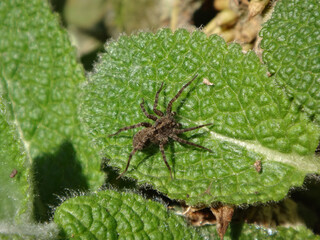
point(60, 142)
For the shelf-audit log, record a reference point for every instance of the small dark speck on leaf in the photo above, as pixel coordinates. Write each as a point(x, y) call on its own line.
point(257, 166)
point(13, 173)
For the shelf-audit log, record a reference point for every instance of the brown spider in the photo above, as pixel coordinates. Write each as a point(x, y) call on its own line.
point(159, 133)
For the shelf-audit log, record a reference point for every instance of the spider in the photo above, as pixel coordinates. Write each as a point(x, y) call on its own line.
point(164, 127)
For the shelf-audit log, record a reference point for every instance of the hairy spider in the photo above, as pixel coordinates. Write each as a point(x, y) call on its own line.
point(159, 133)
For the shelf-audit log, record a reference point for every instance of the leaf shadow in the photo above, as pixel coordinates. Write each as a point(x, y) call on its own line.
point(149, 151)
point(130, 184)
point(172, 156)
point(236, 230)
point(55, 176)
point(153, 149)
point(307, 199)
point(111, 181)
point(183, 100)
point(113, 173)
point(189, 139)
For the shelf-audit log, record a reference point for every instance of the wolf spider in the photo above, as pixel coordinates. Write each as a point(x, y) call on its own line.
point(165, 127)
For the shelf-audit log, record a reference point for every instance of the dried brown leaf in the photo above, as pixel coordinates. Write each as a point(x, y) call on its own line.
point(223, 215)
point(199, 216)
point(256, 7)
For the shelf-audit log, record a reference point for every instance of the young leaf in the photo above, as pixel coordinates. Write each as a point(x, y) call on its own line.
point(39, 81)
point(291, 43)
point(253, 120)
point(29, 231)
point(16, 197)
point(113, 215)
point(15, 191)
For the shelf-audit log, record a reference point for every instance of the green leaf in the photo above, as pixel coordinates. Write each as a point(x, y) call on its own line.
point(28, 231)
point(39, 82)
point(113, 215)
point(252, 118)
point(250, 231)
point(15, 190)
point(291, 43)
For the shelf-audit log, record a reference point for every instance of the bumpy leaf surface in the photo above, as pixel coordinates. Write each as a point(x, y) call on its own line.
point(113, 215)
point(251, 231)
point(15, 197)
point(16, 189)
point(291, 43)
point(252, 118)
point(39, 81)
point(25, 231)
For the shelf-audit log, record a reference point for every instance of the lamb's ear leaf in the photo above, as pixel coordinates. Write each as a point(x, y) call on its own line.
point(15, 192)
point(39, 83)
point(113, 215)
point(254, 123)
point(16, 195)
point(291, 50)
point(252, 231)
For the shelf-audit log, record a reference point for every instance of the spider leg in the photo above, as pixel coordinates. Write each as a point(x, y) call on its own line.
point(169, 107)
point(178, 131)
point(164, 158)
point(142, 124)
point(128, 163)
point(158, 112)
point(152, 117)
point(180, 140)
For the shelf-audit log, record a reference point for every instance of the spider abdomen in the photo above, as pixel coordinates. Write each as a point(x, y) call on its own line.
point(142, 138)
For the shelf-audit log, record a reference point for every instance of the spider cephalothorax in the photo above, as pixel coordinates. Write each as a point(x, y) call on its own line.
point(164, 128)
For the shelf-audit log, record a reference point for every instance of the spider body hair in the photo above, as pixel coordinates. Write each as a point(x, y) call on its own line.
point(164, 128)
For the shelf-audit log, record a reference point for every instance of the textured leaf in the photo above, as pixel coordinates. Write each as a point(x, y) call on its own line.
point(15, 197)
point(250, 231)
point(39, 83)
point(252, 118)
point(113, 215)
point(28, 231)
point(291, 43)
point(16, 191)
